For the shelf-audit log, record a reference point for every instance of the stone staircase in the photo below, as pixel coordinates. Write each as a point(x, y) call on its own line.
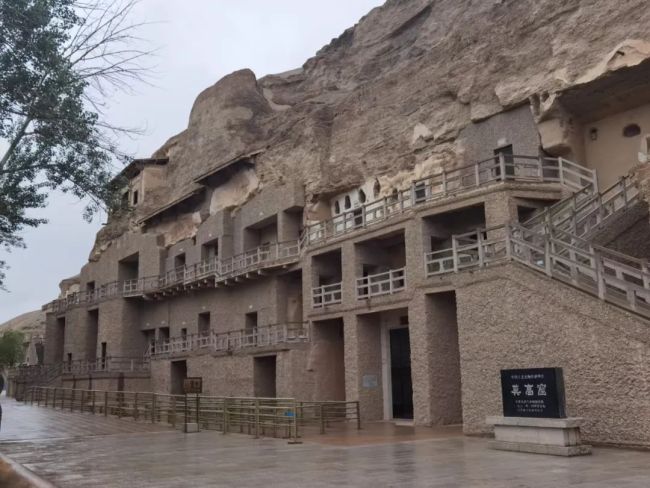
point(558, 243)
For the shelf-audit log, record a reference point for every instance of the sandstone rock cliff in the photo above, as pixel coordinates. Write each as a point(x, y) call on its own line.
point(393, 91)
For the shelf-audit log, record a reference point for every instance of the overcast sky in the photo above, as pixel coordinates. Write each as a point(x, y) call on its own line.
point(200, 41)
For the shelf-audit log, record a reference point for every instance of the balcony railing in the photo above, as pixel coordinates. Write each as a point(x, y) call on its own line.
point(250, 261)
point(447, 183)
point(106, 365)
point(476, 248)
point(262, 336)
point(325, 295)
point(386, 283)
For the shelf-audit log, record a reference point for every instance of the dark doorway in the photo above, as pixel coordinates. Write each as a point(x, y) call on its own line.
point(91, 338)
point(264, 377)
point(400, 373)
point(179, 373)
point(505, 152)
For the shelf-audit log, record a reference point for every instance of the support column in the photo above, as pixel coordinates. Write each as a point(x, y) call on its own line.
point(435, 359)
point(363, 371)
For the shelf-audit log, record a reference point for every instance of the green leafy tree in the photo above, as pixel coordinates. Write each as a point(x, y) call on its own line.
point(60, 61)
point(12, 348)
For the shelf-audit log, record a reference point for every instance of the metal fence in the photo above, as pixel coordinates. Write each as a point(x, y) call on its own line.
point(268, 417)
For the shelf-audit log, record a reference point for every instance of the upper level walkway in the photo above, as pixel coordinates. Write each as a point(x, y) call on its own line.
point(254, 262)
point(74, 450)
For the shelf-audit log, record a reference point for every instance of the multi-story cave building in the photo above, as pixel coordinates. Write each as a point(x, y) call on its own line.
point(393, 223)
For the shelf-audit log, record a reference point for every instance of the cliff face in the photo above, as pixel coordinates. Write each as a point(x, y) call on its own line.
point(394, 91)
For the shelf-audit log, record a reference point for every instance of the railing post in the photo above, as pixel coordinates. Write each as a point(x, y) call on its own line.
point(72, 395)
point(481, 251)
point(540, 168)
point(560, 170)
point(547, 256)
point(454, 253)
point(54, 399)
point(47, 393)
point(477, 174)
point(83, 396)
point(502, 166)
point(106, 404)
point(93, 401)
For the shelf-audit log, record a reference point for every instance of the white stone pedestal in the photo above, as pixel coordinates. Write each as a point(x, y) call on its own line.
point(559, 437)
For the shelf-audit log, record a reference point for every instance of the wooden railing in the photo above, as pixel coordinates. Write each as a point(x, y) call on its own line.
point(385, 283)
point(261, 336)
point(270, 417)
point(447, 183)
point(325, 295)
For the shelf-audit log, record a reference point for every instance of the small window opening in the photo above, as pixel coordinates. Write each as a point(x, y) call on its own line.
point(376, 189)
point(362, 196)
point(347, 203)
point(337, 207)
point(631, 130)
point(135, 197)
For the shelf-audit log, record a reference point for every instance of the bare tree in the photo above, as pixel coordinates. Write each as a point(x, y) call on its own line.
point(60, 62)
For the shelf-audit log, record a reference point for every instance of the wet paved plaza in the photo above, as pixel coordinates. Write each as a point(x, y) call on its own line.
point(80, 450)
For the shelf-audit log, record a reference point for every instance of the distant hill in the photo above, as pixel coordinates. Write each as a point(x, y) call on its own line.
point(30, 323)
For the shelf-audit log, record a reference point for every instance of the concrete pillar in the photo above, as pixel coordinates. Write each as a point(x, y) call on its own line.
point(363, 370)
point(350, 272)
point(435, 359)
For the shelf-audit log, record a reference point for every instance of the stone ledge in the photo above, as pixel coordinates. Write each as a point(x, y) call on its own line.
point(567, 451)
point(567, 423)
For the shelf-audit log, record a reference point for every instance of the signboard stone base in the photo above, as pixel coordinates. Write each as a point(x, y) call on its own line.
point(559, 437)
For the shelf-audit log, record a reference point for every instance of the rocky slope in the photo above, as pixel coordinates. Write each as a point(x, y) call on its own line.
point(392, 92)
point(30, 323)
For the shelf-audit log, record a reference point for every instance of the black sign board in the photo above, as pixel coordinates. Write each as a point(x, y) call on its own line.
point(193, 385)
point(536, 392)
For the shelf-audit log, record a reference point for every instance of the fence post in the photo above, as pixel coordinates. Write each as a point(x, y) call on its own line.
point(83, 395)
point(322, 418)
point(225, 416)
point(136, 413)
point(257, 418)
point(198, 407)
point(54, 398)
point(47, 394)
point(72, 395)
point(106, 404)
point(153, 408)
point(294, 426)
point(358, 416)
point(93, 401)
point(174, 411)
